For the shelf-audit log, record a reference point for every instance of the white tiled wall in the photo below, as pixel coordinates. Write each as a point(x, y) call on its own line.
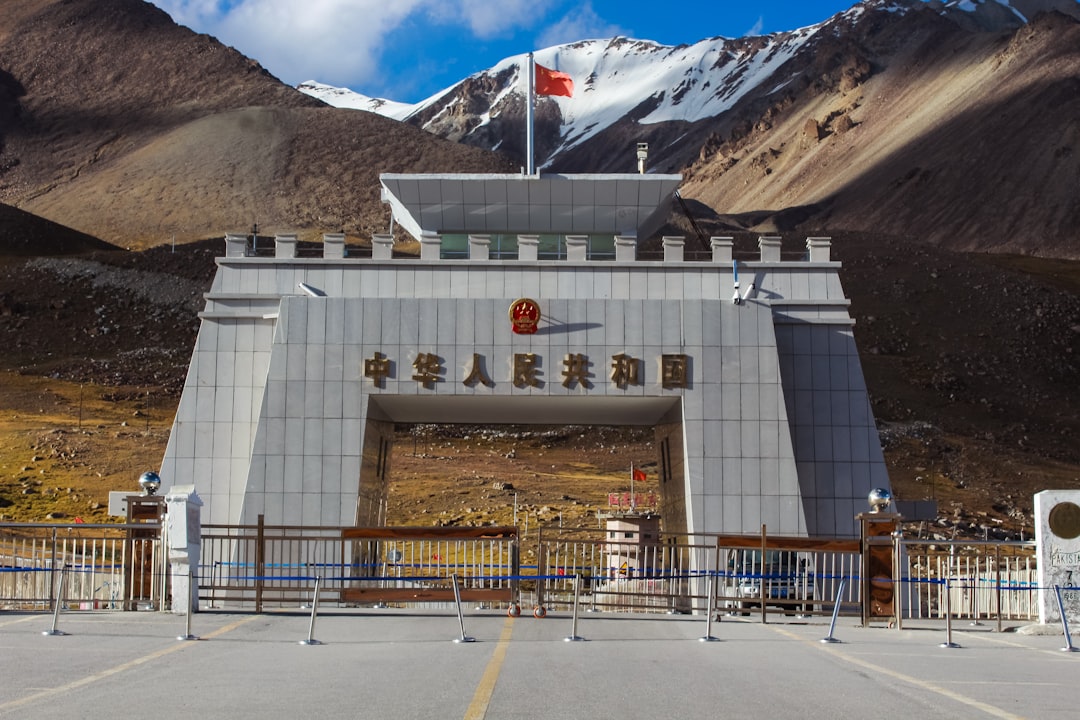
point(777, 424)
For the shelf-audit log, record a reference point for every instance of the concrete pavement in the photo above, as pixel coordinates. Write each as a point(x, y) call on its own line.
point(396, 663)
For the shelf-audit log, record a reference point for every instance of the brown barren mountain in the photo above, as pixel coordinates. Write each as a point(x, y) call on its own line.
point(119, 126)
point(966, 140)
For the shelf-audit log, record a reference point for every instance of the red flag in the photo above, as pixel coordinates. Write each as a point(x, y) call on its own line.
point(553, 82)
point(639, 475)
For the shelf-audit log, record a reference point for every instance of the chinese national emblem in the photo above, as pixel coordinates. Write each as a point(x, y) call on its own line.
point(524, 316)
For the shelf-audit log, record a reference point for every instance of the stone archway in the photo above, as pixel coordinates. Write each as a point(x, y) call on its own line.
point(384, 411)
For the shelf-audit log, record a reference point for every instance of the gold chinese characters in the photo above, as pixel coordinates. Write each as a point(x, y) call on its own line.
point(526, 371)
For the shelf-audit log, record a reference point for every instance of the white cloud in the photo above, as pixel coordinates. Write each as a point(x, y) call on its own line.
point(581, 23)
point(756, 28)
point(333, 41)
point(487, 18)
point(193, 13)
point(339, 41)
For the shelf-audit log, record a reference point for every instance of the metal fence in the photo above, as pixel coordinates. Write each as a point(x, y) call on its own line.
point(119, 567)
point(770, 574)
point(124, 567)
point(666, 572)
point(985, 580)
point(275, 565)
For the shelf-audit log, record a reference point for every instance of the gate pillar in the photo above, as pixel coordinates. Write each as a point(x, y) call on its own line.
point(184, 541)
point(879, 597)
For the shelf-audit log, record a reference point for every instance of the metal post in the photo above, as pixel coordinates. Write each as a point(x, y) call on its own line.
point(573, 636)
point(187, 620)
point(898, 604)
point(997, 583)
point(948, 616)
point(708, 637)
point(835, 612)
point(314, 611)
point(56, 606)
point(762, 590)
point(260, 562)
point(974, 579)
point(1064, 622)
point(461, 618)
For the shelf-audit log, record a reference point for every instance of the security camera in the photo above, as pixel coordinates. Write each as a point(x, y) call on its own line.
point(735, 299)
point(749, 291)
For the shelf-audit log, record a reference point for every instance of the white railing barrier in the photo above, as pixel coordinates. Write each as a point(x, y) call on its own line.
point(53, 631)
point(1064, 622)
point(831, 637)
point(573, 636)
point(190, 610)
point(948, 616)
point(710, 609)
point(314, 611)
point(461, 618)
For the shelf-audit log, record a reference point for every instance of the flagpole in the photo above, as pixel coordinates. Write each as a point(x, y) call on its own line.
point(633, 499)
point(529, 102)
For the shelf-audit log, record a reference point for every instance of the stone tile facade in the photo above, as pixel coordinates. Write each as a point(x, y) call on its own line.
point(302, 365)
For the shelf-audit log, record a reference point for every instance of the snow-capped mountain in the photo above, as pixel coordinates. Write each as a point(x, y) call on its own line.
point(351, 100)
point(640, 90)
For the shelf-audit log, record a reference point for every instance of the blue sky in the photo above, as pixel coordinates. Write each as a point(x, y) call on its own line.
point(406, 50)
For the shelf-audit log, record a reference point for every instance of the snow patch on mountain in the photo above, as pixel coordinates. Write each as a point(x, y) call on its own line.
point(352, 100)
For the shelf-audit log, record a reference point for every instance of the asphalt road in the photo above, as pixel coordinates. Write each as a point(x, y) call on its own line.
point(393, 663)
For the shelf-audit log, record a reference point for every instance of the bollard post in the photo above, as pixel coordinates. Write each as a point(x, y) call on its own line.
point(1064, 622)
point(830, 638)
point(573, 636)
point(187, 616)
point(56, 606)
point(709, 605)
point(997, 583)
point(461, 618)
point(314, 611)
point(948, 616)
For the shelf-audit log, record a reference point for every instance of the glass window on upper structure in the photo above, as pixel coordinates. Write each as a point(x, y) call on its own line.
point(455, 246)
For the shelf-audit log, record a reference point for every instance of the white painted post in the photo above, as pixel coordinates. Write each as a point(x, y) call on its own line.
point(382, 247)
point(184, 532)
point(721, 249)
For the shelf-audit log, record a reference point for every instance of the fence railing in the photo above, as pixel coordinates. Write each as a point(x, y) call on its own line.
point(986, 580)
point(120, 567)
point(667, 572)
point(124, 567)
point(278, 565)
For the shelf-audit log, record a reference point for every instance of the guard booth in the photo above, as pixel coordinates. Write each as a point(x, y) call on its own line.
point(879, 561)
point(141, 543)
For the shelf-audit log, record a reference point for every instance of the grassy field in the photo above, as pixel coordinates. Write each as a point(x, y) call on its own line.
point(64, 446)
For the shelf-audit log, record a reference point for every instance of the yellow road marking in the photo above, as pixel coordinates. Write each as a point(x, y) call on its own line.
point(479, 706)
point(82, 682)
point(944, 692)
point(19, 620)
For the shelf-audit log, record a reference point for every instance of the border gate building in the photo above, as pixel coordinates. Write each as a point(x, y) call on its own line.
point(528, 304)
